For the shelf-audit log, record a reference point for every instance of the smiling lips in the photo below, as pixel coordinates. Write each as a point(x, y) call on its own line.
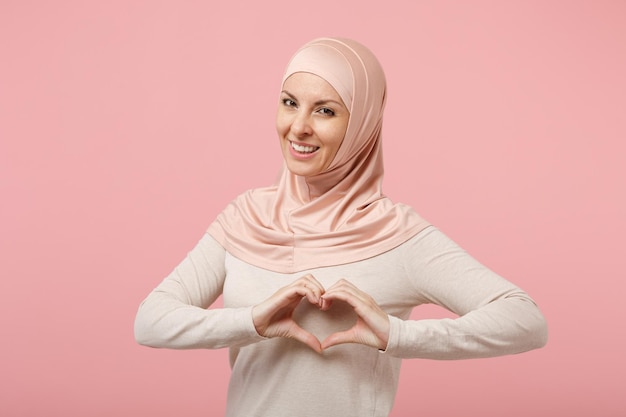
point(302, 150)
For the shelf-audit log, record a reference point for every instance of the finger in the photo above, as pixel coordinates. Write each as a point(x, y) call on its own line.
point(325, 304)
point(283, 298)
point(348, 295)
point(310, 278)
point(345, 288)
point(314, 289)
point(297, 290)
point(279, 305)
point(343, 283)
point(366, 308)
point(313, 295)
point(314, 284)
point(348, 292)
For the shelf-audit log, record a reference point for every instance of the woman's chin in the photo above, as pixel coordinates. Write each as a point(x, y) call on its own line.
point(301, 168)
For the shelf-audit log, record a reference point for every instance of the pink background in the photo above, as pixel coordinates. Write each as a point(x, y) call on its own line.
point(126, 126)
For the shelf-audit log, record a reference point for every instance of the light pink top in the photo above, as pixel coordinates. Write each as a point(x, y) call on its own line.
point(283, 378)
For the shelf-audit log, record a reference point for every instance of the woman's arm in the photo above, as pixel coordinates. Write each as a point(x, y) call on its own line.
point(495, 317)
point(175, 315)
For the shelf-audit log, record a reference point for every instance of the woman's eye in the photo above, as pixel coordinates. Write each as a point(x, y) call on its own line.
point(326, 111)
point(289, 102)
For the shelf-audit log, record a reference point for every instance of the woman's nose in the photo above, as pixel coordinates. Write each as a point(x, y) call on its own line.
point(301, 125)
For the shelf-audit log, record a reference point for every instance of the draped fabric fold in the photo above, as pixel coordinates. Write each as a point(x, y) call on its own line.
point(340, 215)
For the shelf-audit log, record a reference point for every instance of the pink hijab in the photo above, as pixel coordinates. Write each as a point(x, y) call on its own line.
point(338, 216)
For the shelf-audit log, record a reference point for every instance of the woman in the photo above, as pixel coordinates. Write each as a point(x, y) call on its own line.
point(320, 272)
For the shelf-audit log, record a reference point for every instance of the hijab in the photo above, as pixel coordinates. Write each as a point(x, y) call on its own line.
point(340, 215)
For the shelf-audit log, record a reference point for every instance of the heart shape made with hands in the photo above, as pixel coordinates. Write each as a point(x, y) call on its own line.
point(346, 315)
point(341, 314)
point(324, 324)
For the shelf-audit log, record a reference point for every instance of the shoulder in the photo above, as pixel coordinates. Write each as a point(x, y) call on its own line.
point(427, 237)
point(427, 246)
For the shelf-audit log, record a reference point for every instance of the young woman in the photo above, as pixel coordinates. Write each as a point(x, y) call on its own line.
point(319, 272)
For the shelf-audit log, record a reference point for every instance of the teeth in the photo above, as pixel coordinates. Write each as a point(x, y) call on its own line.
point(304, 149)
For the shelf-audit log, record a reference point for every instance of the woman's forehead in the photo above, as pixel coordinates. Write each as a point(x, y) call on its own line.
point(328, 63)
point(312, 86)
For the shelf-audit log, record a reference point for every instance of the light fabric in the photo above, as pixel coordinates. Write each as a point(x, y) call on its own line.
point(338, 216)
point(284, 378)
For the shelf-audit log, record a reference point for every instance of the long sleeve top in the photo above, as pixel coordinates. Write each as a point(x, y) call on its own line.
point(282, 377)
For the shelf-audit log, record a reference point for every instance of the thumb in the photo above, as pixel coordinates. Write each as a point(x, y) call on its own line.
point(346, 336)
point(298, 333)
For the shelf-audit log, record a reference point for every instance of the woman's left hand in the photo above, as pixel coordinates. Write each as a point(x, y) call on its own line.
point(372, 325)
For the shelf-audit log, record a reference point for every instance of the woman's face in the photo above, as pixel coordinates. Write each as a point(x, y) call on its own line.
point(311, 123)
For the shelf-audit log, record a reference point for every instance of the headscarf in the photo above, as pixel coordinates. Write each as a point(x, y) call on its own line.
point(340, 215)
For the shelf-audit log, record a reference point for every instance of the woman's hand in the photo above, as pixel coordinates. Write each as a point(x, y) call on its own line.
point(274, 316)
point(372, 325)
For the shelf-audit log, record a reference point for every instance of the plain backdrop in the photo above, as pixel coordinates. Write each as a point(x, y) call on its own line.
point(126, 126)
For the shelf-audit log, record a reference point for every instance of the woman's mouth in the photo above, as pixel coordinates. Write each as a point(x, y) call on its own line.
point(303, 149)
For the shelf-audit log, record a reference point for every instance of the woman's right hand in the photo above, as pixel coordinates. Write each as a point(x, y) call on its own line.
point(274, 316)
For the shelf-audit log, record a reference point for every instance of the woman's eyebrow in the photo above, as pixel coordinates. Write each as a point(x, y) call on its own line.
point(318, 102)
